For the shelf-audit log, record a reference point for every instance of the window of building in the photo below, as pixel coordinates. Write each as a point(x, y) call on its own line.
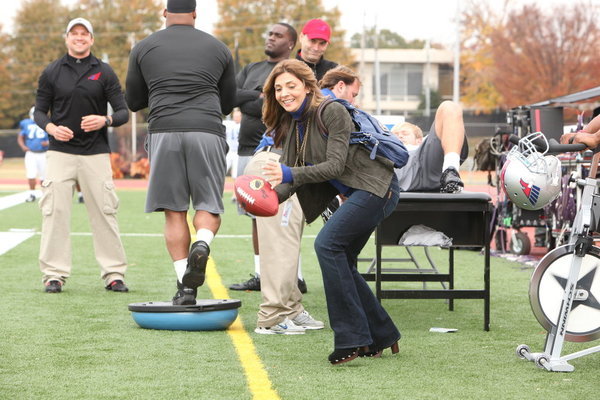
point(400, 81)
point(446, 80)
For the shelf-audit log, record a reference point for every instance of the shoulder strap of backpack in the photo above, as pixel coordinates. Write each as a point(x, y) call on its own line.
point(319, 120)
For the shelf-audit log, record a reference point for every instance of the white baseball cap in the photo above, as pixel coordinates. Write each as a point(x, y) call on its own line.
point(80, 21)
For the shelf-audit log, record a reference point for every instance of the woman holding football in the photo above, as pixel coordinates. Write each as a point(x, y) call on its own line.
point(317, 167)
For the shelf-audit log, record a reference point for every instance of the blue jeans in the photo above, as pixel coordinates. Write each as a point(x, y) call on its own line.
point(355, 315)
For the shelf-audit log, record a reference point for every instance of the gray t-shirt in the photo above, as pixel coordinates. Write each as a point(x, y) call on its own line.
point(185, 76)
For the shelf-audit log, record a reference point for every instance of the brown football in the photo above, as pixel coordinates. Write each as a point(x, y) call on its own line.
point(256, 196)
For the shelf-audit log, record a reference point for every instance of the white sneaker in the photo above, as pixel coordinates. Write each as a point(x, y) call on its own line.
point(307, 322)
point(286, 327)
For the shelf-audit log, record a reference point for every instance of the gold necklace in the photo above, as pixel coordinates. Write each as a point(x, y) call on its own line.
point(301, 147)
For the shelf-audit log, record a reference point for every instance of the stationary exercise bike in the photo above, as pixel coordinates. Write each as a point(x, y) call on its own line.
point(564, 290)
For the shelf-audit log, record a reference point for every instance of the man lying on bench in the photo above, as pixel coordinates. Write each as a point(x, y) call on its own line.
point(435, 160)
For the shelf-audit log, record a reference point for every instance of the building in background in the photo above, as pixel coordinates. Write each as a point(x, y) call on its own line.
point(403, 77)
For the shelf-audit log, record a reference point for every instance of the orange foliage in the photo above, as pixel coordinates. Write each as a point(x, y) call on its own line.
point(116, 164)
point(528, 54)
point(121, 168)
point(543, 55)
point(140, 169)
point(476, 63)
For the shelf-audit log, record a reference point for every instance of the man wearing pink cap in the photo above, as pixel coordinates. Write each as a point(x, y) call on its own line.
point(314, 41)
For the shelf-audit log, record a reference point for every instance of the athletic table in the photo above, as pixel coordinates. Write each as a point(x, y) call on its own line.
point(464, 217)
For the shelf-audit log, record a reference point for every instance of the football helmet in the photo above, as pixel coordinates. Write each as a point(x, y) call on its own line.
point(531, 179)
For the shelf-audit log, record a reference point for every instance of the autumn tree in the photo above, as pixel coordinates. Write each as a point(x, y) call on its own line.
point(243, 23)
point(477, 68)
point(557, 54)
point(118, 24)
point(38, 39)
point(386, 39)
point(528, 54)
point(5, 82)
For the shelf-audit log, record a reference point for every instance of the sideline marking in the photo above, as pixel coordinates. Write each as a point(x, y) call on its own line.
point(16, 199)
point(259, 384)
point(258, 380)
point(12, 239)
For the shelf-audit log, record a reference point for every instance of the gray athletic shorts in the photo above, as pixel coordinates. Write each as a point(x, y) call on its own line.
point(186, 165)
point(423, 170)
point(242, 163)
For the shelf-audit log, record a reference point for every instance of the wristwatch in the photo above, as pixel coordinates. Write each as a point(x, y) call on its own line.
point(107, 120)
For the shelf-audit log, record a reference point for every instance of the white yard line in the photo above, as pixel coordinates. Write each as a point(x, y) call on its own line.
point(13, 238)
point(16, 199)
point(9, 240)
point(31, 233)
point(218, 236)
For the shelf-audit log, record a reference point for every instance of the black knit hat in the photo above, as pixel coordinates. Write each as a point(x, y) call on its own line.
point(181, 6)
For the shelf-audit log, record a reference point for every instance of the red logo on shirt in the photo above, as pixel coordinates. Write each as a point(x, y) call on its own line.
point(95, 77)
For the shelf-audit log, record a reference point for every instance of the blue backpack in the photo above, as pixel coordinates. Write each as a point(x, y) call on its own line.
point(376, 138)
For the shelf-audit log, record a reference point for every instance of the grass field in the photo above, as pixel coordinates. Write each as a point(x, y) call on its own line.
point(83, 343)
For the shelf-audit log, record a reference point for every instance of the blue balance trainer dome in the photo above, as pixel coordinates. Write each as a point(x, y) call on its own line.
point(205, 315)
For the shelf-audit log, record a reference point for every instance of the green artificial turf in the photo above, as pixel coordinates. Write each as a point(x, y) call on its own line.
point(83, 343)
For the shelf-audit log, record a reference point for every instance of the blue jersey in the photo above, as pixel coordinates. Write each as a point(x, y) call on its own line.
point(34, 135)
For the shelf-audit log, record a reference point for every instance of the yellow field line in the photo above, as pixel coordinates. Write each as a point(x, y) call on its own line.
point(258, 380)
point(259, 383)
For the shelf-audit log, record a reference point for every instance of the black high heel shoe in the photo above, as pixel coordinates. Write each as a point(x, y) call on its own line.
point(376, 352)
point(340, 356)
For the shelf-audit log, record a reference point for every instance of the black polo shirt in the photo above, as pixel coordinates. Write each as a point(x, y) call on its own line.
point(70, 90)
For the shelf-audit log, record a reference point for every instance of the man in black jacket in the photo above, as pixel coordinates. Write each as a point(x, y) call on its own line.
point(187, 79)
point(314, 41)
point(76, 89)
point(281, 39)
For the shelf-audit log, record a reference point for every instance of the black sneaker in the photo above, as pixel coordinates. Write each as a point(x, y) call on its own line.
point(117, 286)
point(80, 199)
point(251, 284)
point(53, 286)
point(196, 265)
point(302, 286)
point(450, 181)
point(31, 198)
point(184, 296)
